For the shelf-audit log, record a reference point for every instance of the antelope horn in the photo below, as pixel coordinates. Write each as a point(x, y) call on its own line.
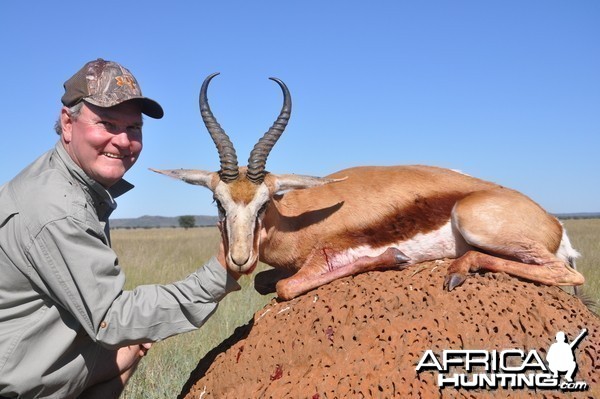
point(260, 152)
point(229, 165)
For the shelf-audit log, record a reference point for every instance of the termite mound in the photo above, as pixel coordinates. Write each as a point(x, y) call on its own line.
point(363, 336)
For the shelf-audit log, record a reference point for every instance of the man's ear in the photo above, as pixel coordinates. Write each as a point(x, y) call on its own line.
point(66, 124)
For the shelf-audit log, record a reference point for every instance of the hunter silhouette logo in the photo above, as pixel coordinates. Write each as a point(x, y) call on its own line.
point(560, 356)
point(508, 368)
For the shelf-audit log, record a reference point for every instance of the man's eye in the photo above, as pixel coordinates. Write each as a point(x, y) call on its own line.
point(107, 125)
point(136, 130)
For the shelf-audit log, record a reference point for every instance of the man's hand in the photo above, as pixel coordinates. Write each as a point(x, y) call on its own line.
point(144, 348)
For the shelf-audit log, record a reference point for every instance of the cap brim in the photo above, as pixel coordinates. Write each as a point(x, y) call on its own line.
point(151, 108)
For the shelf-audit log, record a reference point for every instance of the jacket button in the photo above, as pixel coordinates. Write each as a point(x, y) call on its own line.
point(103, 324)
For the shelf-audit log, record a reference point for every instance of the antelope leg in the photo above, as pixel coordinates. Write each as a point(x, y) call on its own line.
point(551, 272)
point(318, 271)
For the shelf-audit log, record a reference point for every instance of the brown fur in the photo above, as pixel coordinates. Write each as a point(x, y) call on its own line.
point(374, 206)
point(498, 207)
point(423, 215)
point(242, 190)
point(379, 207)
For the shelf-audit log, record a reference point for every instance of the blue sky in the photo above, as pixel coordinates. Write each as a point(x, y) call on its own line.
point(508, 91)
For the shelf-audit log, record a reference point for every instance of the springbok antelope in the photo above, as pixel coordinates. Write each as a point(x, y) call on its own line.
point(313, 230)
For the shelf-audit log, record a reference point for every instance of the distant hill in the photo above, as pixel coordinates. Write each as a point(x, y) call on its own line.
point(580, 215)
point(203, 220)
point(159, 221)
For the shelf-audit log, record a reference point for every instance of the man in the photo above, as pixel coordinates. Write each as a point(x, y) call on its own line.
point(560, 356)
point(67, 328)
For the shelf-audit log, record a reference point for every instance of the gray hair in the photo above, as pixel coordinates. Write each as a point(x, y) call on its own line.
point(74, 112)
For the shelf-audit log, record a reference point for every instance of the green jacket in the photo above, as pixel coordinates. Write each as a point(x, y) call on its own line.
point(61, 288)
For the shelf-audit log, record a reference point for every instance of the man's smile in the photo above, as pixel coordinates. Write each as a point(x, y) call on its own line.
point(111, 155)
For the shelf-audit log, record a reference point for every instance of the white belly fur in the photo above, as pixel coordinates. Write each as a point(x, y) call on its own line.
point(445, 242)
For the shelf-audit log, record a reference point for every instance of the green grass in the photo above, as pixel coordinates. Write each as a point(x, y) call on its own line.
point(165, 255)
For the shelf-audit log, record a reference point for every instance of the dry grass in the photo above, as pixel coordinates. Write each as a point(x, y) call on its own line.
point(150, 256)
point(585, 237)
point(166, 255)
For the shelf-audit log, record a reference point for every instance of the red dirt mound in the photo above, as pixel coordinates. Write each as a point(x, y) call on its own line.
point(363, 336)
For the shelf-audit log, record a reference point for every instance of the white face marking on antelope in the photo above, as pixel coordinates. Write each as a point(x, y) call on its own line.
point(242, 223)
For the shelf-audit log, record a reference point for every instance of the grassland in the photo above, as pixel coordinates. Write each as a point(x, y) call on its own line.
point(151, 256)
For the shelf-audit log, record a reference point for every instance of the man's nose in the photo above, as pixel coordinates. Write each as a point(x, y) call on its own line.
point(122, 139)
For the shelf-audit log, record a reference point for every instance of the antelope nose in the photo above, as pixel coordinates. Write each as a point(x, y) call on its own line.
point(240, 260)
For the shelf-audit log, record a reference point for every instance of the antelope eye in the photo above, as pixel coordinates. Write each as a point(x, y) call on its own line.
point(220, 208)
point(263, 208)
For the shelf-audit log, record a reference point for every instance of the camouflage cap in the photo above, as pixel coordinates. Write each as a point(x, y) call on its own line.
point(106, 84)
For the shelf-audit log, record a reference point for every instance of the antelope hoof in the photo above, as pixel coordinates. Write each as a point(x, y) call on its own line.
point(399, 257)
point(454, 280)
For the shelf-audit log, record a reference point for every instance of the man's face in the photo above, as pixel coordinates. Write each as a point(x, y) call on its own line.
point(104, 142)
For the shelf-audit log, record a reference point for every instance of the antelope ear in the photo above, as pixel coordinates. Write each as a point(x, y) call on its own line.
point(192, 176)
point(296, 182)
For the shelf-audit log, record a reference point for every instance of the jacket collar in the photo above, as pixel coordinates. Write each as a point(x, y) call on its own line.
point(99, 193)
